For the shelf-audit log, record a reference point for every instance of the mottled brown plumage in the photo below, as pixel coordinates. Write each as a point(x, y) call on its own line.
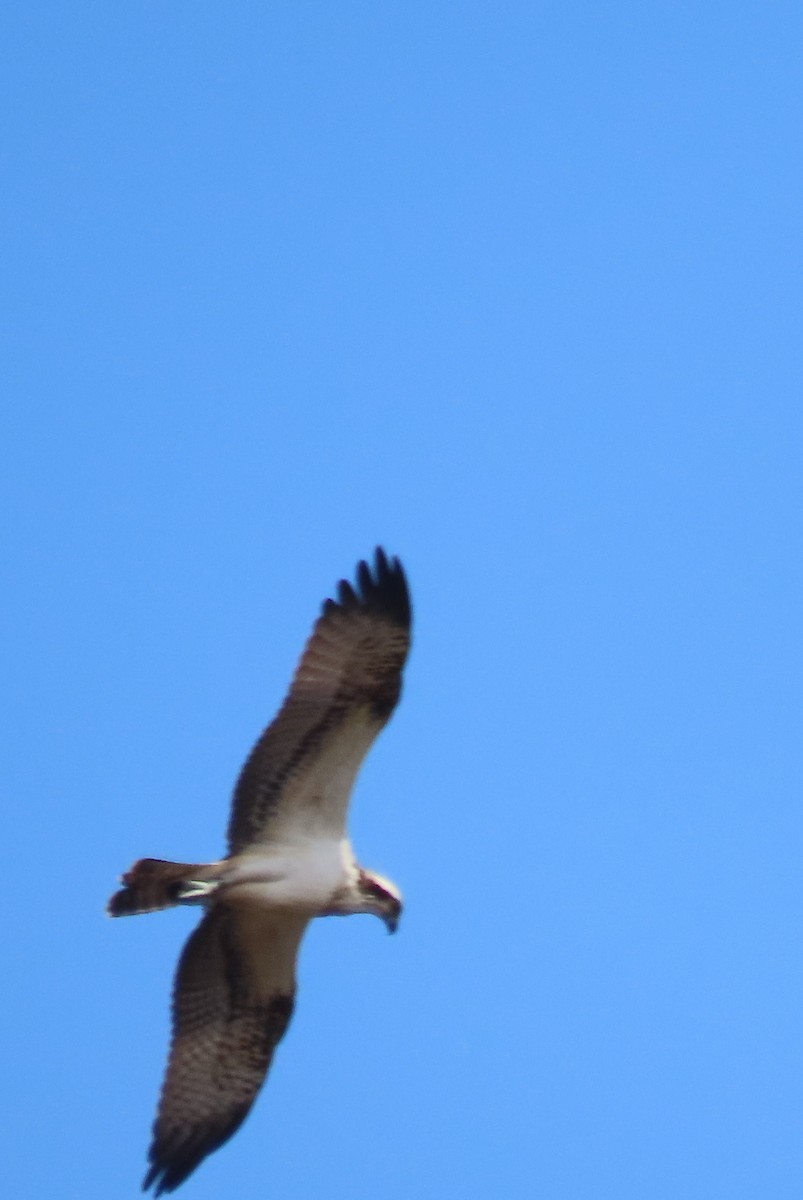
point(289, 861)
point(154, 883)
point(350, 671)
point(227, 1022)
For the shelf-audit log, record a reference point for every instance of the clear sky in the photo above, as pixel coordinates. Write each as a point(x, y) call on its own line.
point(515, 290)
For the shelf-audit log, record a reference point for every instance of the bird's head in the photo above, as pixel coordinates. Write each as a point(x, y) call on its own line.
point(381, 897)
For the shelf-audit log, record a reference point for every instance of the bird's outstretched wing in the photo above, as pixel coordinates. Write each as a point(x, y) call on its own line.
point(232, 1001)
point(300, 773)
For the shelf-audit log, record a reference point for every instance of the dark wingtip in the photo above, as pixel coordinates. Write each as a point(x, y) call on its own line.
point(151, 1179)
point(167, 1176)
point(380, 588)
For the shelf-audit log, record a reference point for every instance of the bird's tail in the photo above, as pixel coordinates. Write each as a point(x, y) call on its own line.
point(153, 883)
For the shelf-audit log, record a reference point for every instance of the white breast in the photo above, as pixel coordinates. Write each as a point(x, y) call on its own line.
point(301, 876)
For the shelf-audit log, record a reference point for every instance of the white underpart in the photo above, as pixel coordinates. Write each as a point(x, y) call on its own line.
point(305, 864)
point(301, 877)
point(314, 802)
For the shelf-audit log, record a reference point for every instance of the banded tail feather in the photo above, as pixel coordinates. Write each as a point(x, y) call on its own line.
point(154, 883)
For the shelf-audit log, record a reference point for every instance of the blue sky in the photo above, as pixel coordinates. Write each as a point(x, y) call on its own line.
point(515, 291)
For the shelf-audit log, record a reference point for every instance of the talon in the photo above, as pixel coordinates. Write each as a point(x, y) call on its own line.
point(195, 890)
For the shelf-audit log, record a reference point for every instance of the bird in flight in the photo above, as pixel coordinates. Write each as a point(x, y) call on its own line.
point(289, 860)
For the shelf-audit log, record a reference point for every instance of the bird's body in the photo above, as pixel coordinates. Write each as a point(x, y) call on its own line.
point(290, 860)
point(300, 877)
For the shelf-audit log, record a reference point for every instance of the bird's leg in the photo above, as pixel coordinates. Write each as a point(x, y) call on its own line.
point(196, 891)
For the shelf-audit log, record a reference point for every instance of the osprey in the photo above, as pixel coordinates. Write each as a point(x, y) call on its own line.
point(289, 860)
